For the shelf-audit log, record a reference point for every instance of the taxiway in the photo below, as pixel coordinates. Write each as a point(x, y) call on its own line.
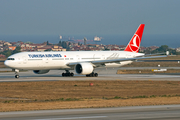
point(166, 112)
point(104, 74)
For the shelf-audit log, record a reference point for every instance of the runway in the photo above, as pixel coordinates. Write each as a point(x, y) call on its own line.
point(104, 74)
point(166, 112)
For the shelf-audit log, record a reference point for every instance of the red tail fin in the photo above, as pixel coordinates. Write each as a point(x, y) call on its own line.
point(135, 41)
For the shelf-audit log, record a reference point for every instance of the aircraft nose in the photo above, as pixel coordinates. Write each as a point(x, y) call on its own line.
point(6, 63)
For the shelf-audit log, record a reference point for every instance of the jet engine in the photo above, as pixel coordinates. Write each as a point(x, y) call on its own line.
point(84, 68)
point(40, 71)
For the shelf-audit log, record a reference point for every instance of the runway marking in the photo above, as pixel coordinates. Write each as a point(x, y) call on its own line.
point(70, 118)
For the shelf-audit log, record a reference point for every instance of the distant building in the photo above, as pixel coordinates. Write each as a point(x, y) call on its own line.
point(42, 49)
point(26, 47)
point(142, 49)
point(85, 40)
point(2, 56)
point(2, 41)
point(8, 44)
point(58, 48)
point(153, 47)
point(1, 49)
point(12, 47)
point(178, 49)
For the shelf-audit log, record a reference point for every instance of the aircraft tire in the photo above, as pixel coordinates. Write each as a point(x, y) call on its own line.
point(71, 74)
point(68, 74)
point(92, 75)
point(96, 75)
point(16, 76)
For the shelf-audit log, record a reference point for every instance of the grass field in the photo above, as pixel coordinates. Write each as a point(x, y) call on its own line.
point(174, 57)
point(78, 94)
point(153, 64)
point(147, 71)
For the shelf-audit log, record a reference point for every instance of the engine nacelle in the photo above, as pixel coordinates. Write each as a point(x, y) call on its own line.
point(84, 68)
point(40, 71)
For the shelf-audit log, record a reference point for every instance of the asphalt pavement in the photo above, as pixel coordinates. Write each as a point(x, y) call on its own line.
point(104, 74)
point(166, 112)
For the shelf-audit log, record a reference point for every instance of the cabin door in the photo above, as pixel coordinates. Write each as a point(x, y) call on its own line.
point(78, 58)
point(24, 60)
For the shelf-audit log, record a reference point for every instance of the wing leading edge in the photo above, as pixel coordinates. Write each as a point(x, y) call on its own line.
point(114, 60)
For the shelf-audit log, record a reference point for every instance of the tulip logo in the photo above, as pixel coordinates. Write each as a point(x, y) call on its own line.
point(134, 44)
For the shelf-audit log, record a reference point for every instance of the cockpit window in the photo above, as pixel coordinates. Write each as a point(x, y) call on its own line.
point(10, 59)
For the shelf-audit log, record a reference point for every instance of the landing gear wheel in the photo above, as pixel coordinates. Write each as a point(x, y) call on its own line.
point(63, 74)
point(16, 73)
point(71, 74)
point(92, 75)
point(16, 76)
point(67, 74)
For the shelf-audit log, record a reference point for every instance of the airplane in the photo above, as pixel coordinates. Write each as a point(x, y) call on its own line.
point(83, 62)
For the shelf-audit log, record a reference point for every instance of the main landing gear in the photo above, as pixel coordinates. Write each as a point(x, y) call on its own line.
point(16, 73)
point(92, 75)
point(68, 74)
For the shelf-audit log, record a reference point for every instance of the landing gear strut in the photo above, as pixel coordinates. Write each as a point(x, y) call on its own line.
point(16, 73)
point(92, 75)
point(67, 74)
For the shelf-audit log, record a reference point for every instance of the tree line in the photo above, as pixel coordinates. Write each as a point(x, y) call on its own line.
point(161, 49)
point(8, 52)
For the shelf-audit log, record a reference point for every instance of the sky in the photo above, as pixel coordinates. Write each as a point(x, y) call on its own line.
point(87, 17)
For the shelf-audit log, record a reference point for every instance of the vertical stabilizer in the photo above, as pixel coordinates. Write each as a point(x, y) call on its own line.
point(134, 44)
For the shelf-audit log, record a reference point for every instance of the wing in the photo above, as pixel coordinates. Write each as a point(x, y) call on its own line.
point(114, 60)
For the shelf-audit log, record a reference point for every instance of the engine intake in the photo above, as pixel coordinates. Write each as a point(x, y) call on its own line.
point(84, 68)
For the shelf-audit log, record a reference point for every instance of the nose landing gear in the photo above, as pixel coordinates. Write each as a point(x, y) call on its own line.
point(16, 73)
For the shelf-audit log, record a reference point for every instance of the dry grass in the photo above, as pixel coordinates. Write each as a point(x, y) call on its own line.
point(3, 58)
point(80, 89)
point(147, 71)
point(153, 64)
point(78, 94)
point(175, 57)
point(88, 104)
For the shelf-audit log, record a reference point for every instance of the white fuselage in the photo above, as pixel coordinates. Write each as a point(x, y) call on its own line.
point(59, 60)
